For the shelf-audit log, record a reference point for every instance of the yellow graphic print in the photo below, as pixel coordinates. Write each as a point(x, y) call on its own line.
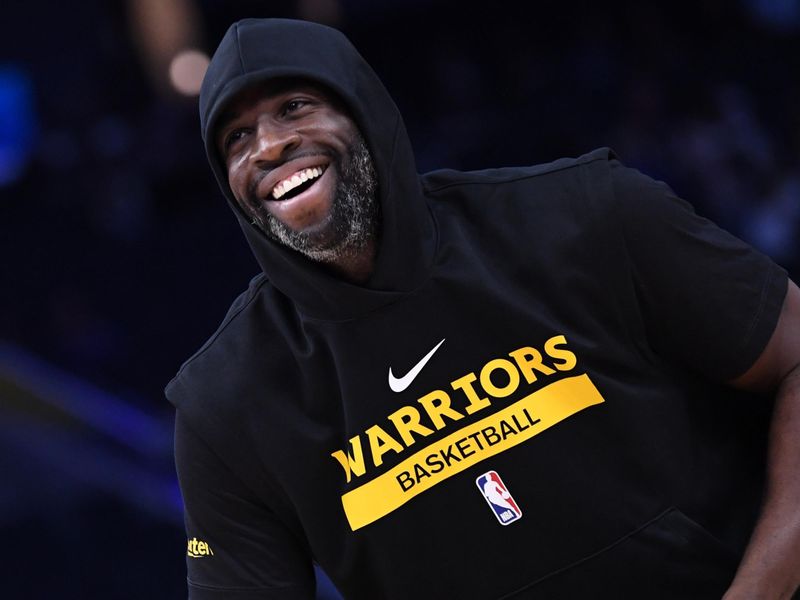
point(469, 445)
point(198, 549)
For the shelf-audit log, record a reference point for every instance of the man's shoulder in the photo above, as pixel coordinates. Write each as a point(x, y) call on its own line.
point(443, 179)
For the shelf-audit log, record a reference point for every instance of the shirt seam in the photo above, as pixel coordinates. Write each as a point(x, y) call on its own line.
point(762, 305)
point(513, 178)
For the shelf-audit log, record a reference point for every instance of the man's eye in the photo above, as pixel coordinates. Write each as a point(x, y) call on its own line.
point(233, 137)
point(293, 105)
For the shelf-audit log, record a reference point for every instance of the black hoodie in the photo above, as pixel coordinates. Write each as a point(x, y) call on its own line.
point(552, 425)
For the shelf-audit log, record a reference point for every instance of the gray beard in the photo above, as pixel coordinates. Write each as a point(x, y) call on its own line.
point(354, 218)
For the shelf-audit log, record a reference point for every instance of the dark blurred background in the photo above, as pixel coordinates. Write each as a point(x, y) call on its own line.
point(119, 255)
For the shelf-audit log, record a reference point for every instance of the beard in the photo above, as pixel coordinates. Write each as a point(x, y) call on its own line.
point(354, 218)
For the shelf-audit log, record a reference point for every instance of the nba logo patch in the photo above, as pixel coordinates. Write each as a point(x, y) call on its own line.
point(498, 498)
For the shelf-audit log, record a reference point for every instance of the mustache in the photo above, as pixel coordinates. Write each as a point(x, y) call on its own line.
point(252, 197)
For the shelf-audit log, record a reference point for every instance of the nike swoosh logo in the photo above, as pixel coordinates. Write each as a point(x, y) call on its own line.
point(401, 383)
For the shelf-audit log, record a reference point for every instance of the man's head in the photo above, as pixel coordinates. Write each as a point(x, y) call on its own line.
point(300, 169)
point(254, 56)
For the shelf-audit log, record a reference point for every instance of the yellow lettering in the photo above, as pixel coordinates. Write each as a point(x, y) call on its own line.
point(380, 443)
point(509, 368)
point(390, 490)
point(478, 391)
point(351, 464)
point(197, 548)
point(475, 402)
point(406, 420)
point(437, 404)
point(552, 350)
point(527, 360)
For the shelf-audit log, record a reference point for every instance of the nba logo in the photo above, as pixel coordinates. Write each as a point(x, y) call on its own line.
point(498, 497)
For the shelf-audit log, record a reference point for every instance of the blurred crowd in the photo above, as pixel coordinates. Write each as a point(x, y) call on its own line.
point(120, 255)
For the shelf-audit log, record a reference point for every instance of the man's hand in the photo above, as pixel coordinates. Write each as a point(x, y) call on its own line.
point(770, 568)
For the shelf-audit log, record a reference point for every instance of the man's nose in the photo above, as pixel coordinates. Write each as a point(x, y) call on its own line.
point(273, 143)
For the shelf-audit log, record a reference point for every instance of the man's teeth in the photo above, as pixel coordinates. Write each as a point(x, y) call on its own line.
point(292, 182)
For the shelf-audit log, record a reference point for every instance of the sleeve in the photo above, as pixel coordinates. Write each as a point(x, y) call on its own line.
point(708, 300)
point(237, 548)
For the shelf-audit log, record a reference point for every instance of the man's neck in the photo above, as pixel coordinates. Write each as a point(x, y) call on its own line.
point(356, 267)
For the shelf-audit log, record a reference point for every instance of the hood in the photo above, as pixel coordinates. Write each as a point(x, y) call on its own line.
point(255, 50)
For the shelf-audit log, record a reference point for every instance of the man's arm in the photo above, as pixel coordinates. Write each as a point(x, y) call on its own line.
point(237, 547)
point(770, 568)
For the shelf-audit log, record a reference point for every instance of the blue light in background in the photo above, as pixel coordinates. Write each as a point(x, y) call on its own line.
point(17, 122)
point(780, 15)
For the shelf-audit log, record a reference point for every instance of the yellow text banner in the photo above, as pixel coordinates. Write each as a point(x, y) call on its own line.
point(468, 446)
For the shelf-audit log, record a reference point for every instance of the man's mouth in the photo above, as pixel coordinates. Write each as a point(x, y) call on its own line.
point(297, 183)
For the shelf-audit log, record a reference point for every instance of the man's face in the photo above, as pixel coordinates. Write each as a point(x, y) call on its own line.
point(299, 168)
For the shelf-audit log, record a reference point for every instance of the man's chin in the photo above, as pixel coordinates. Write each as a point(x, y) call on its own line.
point(321, 241)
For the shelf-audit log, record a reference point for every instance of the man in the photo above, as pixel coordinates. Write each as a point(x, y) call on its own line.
point(565, 331)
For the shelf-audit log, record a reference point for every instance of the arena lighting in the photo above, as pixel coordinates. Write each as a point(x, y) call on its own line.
point(17, 122)
point(186, 71)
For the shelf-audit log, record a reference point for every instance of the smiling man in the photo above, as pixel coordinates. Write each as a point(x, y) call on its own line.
point(623, 372)
point(298, 166)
